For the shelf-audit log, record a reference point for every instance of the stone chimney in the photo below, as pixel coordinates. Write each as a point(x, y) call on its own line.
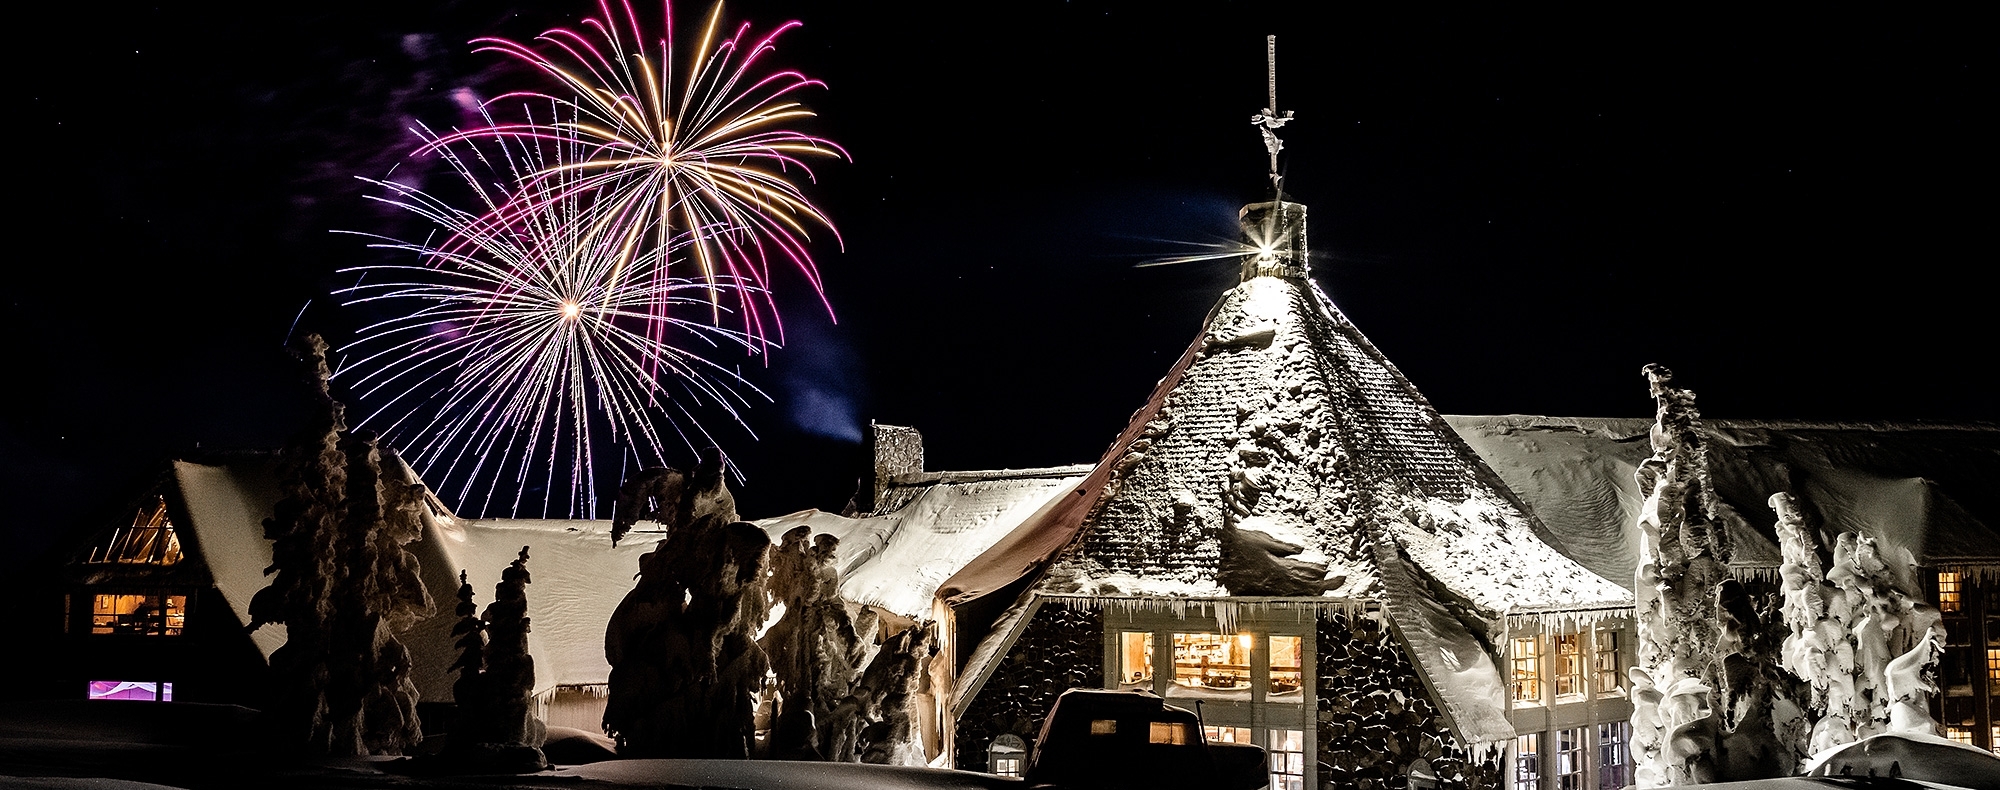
point(893, 450)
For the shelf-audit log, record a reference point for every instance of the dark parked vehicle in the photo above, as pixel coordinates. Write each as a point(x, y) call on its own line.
point(1132, 739)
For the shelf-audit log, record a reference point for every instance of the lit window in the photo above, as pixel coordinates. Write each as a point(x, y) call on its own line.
point(1528, 761)
point(126, 689)
point(1528, 670)
point(1610, 675)
point(1994, 738)
point(1569, 759)
point(1960, 734)
point(1104, 726)
point(1136, 658)
point(1288, 759)
point(152, 615)
point(1614, 755)
point(1212, 661)
point(1008, 755)
point(1172, 733)
point(1287, 677)
point(1569, 665)
point(1993, 666)
point(1222, 734)
point(149, 541)
point(1951, 592)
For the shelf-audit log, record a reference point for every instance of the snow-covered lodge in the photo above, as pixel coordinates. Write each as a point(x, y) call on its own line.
point(1286, 537)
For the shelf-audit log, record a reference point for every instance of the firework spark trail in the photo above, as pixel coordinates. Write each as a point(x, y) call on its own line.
point(510, 340)
point(712, 164)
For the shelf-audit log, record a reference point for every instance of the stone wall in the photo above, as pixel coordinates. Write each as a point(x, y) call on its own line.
point(1061, 649)
point(1375, 717)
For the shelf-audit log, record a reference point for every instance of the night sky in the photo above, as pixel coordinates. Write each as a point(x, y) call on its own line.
point(1792, 211)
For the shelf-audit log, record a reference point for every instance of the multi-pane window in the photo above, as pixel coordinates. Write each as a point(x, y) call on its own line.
point(1287, 674)
point(149, 541)
point(1993, 667)
point(1569, 759)
point(1568, 664)
point(1960, 734)
point(1610, 675)
point(148, 614)
point(1527, 661)
point(1212, 661)
point(1136, 658)
point(1951, 591)
point(1528, 761)
point(1008, 756)
point(1614, 755)
point(1225, 734)
point(1288, 759)
point(1172, 733)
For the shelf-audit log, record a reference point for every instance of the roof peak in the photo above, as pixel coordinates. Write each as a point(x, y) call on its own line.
point(1275, 231)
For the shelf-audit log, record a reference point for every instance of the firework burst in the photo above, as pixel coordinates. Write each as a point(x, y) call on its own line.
point(516, 350)
point(707, 154)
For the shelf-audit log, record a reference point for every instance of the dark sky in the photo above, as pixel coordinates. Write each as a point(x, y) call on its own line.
point(1793, 211)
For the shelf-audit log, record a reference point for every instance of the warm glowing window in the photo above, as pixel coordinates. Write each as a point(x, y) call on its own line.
point(1212, 661)
point(132, 690)
point(1528, 761)
point(149, 541)
point(1287, 673)
point(1221, 734)
point(1569, 759)
point(1610, 673)
point(1994, 738)
point(1527, 660)
point(1007, 756)
point(152, 615)
point(1951, 592)
point(1104, 726)
point(1614, 755)
point(1993, 666)
point(1288, 759)
point(1173, 733)
point(1960, 734)
point(1569, 664)
point(1136, 658)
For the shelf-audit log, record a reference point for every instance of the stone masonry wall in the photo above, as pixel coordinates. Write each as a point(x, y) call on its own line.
point(1061, 649)
point(1375, 718)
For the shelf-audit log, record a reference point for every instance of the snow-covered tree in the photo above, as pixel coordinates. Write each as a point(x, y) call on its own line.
point(344, 587)
point(1868, 649)
point(685, 665)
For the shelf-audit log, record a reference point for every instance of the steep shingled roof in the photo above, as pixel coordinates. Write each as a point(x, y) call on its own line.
point(1283, 455)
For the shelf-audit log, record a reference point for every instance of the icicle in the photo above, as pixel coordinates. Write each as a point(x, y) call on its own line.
point(1225, 616)
point(1974, 572)
point(1566, 621)
point(1755, 573)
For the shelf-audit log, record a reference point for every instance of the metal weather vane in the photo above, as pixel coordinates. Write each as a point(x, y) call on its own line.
point(1268, 121)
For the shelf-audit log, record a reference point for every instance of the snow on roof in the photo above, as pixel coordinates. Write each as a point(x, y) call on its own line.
point(578, 576)
point(897, 561)
point(1283, 439)
point(1289, 423)
point(227, 505)
point(1920, 489)
point(577, 579)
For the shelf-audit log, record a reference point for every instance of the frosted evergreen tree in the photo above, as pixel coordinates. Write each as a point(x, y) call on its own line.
point(344, 587)
point(686, 669)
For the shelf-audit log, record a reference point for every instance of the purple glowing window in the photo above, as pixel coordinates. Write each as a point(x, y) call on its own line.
point(127, 689)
